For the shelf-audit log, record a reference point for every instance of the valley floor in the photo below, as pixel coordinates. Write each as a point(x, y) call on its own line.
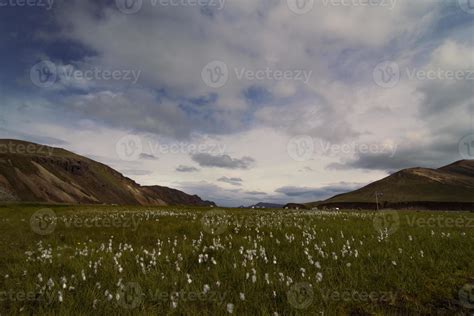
point(197, 261)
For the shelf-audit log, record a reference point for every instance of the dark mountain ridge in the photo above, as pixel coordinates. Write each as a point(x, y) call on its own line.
point(32, 172)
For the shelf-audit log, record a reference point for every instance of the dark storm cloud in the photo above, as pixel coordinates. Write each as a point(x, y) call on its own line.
point(222, 161)
point(232, 181)
point(182, 168)
point(311, 194)
point(147, 157)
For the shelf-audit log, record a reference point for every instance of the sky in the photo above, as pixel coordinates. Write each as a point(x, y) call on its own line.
point(243, 101)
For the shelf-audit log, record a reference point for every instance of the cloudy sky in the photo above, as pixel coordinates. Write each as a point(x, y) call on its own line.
point(241, 101)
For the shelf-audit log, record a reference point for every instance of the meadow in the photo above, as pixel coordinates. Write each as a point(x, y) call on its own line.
point(113, 260)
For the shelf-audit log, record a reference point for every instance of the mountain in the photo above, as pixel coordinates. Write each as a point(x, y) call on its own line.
point(32, 172)
point(266, 205)
point(451, 186)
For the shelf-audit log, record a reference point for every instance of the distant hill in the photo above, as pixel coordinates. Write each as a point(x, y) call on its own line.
point(266, 205)
point(450, 186)
point(36, 173)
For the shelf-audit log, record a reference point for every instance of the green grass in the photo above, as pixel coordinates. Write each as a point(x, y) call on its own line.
point(332, 263)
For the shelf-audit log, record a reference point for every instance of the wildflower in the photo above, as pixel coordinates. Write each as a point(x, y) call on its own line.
point(242, 296)
point(50, 283)
point(319, 277)
point(230, 308)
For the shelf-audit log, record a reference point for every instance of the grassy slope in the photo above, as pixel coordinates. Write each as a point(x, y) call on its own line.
point(454, 183)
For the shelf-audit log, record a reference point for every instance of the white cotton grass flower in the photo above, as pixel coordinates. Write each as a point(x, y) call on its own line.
point(319, 277)
point(230, 308)
point(242, 296)
point(206, 288)
point(50, 283)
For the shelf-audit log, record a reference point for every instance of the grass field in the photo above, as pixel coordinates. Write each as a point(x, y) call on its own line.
point(190, 261)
